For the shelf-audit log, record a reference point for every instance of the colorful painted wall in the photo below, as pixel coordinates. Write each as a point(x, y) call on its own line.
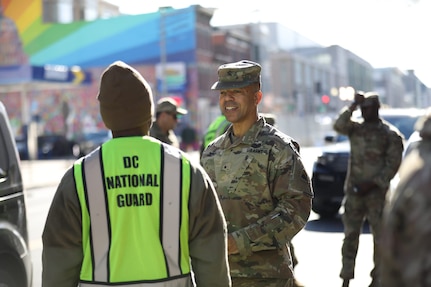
point(135, 39)
point(93, 45)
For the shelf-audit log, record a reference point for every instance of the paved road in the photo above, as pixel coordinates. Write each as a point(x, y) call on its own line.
point(34, 173)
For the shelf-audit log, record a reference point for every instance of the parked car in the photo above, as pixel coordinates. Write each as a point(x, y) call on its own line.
point(15, 261)
point(49, 146)
point(330, 168)
point(90, 140)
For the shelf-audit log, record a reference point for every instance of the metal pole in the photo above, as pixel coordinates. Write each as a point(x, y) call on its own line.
point(163, 51)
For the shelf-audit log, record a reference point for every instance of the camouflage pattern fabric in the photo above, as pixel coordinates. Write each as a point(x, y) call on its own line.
point(376, 151)
point(406, 248)
point(356, 209)
point(265, 194)
point(237, 75)
point(253, 282)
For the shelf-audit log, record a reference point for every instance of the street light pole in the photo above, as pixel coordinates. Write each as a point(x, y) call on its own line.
point(163, 55)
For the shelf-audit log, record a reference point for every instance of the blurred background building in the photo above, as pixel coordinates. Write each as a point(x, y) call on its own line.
point(178, 52)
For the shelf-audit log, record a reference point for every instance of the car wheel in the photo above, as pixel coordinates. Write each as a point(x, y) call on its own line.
point(327, 211)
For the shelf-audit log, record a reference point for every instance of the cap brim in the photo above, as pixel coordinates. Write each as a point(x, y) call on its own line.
point(229, 85)
point(181, 111)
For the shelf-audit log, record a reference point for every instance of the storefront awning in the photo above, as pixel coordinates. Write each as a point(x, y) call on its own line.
point(10, 75)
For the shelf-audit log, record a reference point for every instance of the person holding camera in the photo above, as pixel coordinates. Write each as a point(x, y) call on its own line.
point(375, 156)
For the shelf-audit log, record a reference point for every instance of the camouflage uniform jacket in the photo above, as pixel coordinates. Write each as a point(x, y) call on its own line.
point(265, 194)
point(169, 138)
point(375, 151)
point(406, 248)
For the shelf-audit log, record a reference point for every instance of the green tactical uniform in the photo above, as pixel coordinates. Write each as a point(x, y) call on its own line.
point(265, 194)
point(215, 129)
point(376, 150)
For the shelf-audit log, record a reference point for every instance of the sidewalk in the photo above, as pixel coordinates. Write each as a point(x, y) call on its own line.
point(41, 173)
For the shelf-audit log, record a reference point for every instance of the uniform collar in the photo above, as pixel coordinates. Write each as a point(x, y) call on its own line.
point(248, 139)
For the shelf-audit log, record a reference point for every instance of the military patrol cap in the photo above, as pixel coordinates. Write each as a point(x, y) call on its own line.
point(370, 99)
point(237, 75)
point(169, 105)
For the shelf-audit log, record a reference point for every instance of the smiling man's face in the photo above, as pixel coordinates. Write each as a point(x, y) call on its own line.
point(240, 104)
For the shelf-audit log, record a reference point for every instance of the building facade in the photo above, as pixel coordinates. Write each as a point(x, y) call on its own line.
point(178, 52)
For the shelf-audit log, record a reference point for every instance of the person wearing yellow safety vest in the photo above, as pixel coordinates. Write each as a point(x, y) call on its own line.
point(135, 211)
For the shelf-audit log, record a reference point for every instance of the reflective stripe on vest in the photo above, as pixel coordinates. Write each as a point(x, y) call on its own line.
point(170, 241)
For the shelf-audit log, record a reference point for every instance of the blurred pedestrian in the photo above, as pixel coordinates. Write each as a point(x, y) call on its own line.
point(188, 139)
point(136, 211)
point(216, 128)
point(376, 151)
point(167, 116)
point(406, 248)
point(263, 187)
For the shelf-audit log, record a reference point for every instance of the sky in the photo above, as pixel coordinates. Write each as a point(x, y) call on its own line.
point(385, 33)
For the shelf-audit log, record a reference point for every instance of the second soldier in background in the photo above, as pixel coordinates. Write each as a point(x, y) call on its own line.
point(376, 151)
point(167, 116)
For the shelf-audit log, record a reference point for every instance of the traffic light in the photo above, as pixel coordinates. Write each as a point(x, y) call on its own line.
point(325, 99)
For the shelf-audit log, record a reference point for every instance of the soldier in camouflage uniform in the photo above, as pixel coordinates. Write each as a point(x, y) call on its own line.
point(406, 251)
point(375, 156)
point(167, 116)
point(263, 187)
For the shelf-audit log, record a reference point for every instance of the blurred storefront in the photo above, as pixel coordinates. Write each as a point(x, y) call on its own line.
point(54, 79)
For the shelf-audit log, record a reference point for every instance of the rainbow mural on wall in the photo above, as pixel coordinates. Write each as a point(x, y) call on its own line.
point(134, 39)
point(27, 15)
point(29, 47)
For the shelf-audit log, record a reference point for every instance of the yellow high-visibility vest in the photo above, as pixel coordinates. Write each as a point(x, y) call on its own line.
point(134, 195)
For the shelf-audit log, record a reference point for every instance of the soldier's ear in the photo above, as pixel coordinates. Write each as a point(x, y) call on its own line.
point(258, 97)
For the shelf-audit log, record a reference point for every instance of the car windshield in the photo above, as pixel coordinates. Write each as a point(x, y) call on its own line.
point(403, 119)
point(404, 123)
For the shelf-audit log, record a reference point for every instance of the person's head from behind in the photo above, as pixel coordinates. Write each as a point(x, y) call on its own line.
point(168, 113)
point(239, 91)
point(423, 125)
point(125, 101)
point(370, 107)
